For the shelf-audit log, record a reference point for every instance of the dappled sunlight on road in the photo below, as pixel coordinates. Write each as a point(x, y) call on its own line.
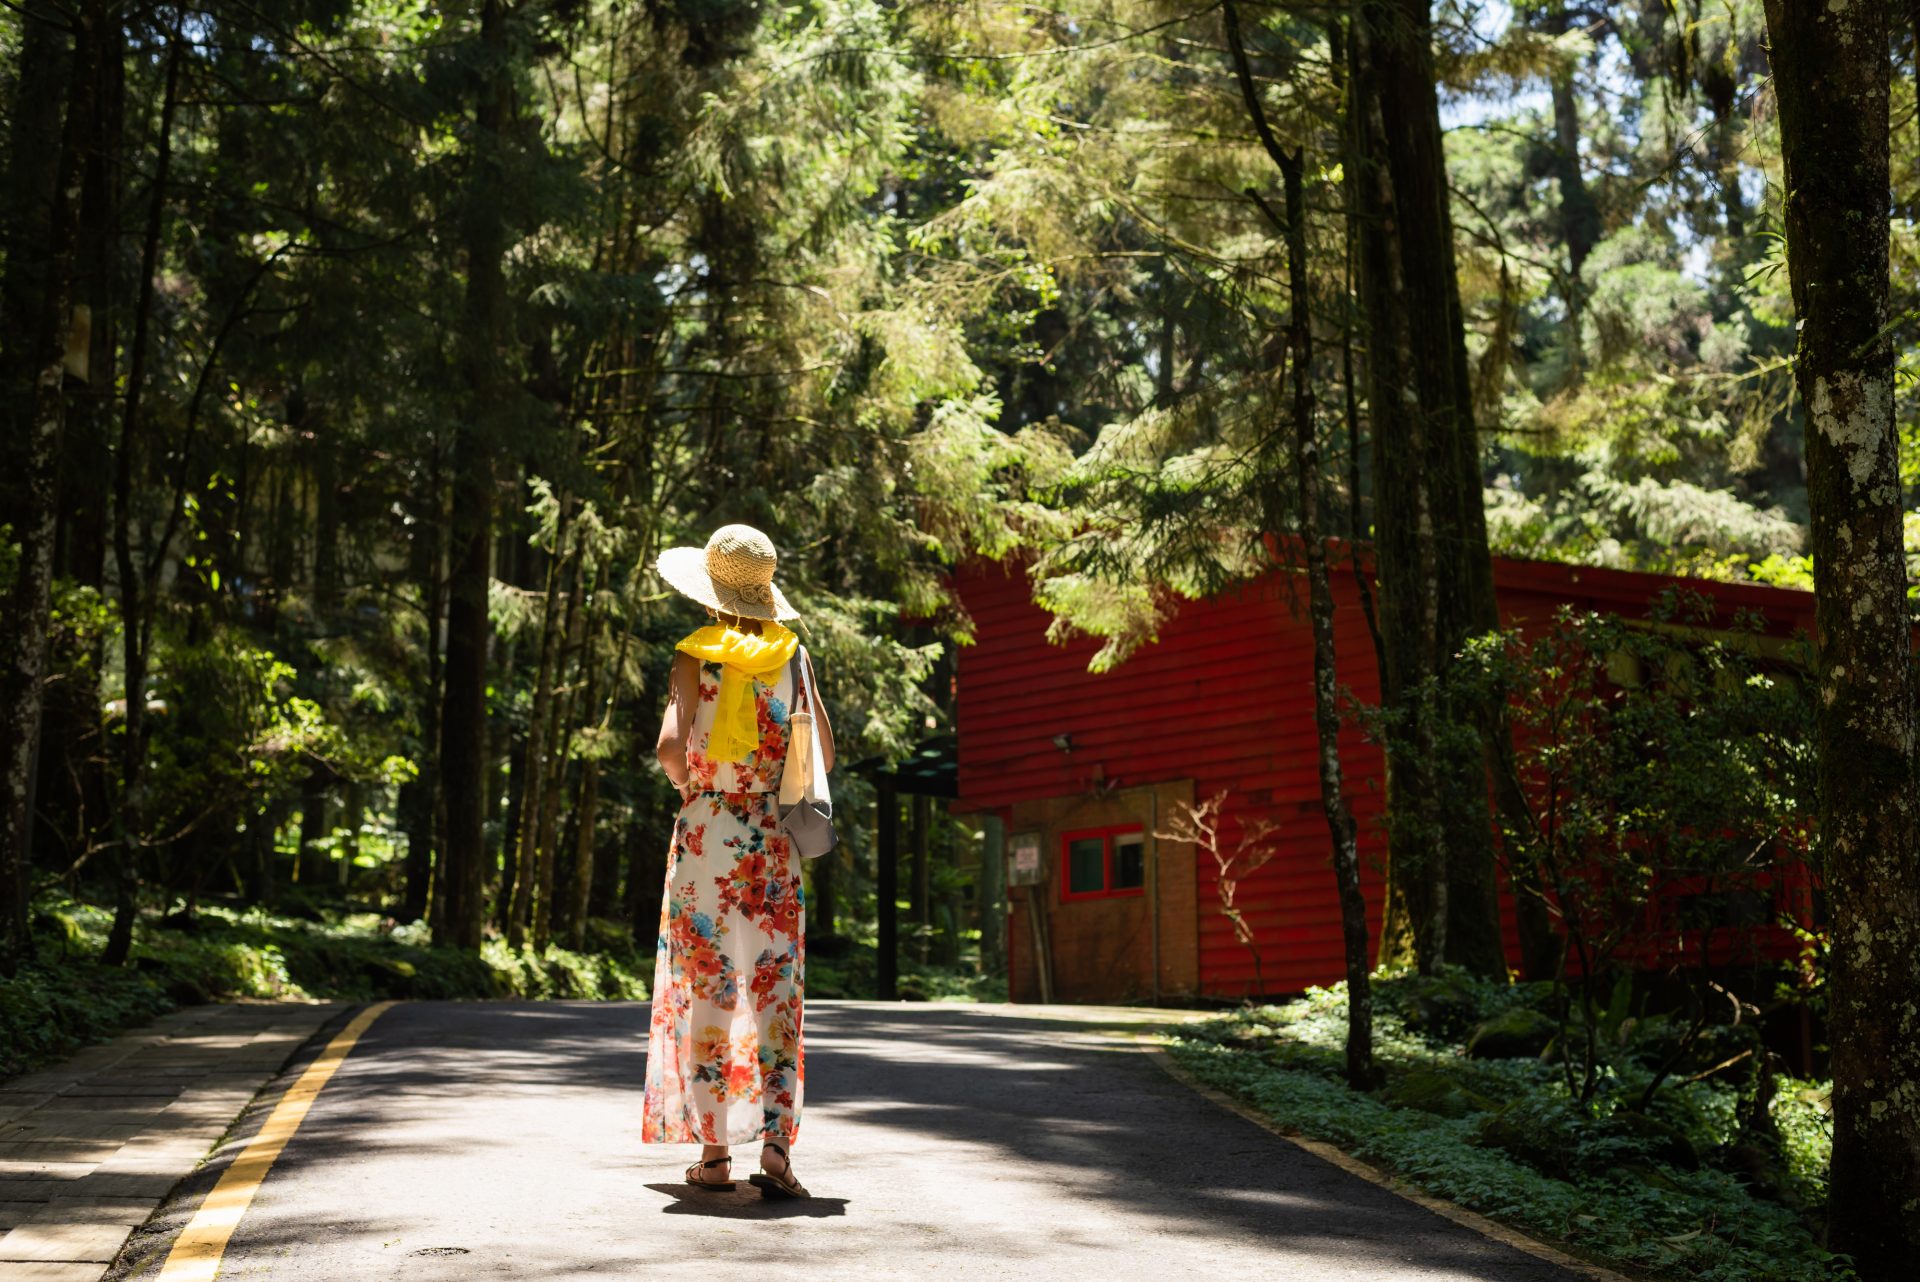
point(466, 1141)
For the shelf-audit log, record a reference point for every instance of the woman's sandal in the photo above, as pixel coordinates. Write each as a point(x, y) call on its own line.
point(781, 1185)
point(718, 1186)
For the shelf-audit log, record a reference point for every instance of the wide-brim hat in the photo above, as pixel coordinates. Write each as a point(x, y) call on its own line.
point(732, 574)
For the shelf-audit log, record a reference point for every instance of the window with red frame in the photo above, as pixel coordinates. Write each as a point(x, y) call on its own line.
point(1102, 862)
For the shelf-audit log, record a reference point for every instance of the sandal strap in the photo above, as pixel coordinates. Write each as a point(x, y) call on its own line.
point(717, 1161)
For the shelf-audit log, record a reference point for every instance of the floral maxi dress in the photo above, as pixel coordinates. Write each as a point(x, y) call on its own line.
point(724, 1061)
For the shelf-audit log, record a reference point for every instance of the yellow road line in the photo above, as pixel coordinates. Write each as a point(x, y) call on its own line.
point(196, 1255)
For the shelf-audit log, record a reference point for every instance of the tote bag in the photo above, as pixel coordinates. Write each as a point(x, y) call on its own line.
point(806, 804)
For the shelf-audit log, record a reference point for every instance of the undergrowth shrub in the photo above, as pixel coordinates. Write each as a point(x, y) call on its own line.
point(1681, 1190)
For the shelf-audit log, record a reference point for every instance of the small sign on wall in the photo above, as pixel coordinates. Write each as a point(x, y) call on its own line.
point(1024, 867)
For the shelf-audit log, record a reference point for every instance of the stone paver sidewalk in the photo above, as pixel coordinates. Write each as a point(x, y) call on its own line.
point(88, 1148)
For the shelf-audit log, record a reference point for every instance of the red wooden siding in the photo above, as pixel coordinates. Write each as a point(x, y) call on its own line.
point(1225, 698)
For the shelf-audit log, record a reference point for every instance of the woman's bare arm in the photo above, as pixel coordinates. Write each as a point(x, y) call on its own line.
point(683, 696)
point(819, 709)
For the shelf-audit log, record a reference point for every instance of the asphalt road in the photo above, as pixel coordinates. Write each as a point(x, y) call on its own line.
point(501, 1140)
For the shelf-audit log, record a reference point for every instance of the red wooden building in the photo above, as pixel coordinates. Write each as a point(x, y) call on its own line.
point(1081, 770)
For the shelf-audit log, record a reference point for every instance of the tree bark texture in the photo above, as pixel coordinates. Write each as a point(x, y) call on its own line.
point(1436, 576)
point(133, 582)
point(463, 712)
point(23, 633)
point(527, 828)
point(73, 796)
point(419, 797)
point(1831, 78)
point(546, 910)
point(580, 888)
point(1326, 705)
point(1306, 468)
point(1579, 212)
point(35, 116)
point(463, 718)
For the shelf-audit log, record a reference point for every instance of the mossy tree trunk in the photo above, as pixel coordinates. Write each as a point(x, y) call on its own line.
point(1831, 78)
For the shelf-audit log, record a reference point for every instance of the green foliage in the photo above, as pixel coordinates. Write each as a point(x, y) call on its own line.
point(900, 284)
point(851, 975)
point(1674, 1193)
point(50, 1011)
point(68, 1000)
point(1661, 767)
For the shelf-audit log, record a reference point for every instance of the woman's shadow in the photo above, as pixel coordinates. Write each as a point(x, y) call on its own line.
point(745, 1203)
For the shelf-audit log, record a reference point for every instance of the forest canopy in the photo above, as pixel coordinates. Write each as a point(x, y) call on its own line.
point(359, 357)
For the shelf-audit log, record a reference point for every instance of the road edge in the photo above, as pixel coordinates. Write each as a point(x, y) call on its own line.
point(1478, 1223)
point(144, 1252)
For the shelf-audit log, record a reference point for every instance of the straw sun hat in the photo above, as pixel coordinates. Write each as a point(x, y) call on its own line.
point(732, 574)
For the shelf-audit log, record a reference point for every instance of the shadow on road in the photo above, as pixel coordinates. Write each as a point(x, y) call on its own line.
point(977, 1143)
point(745, 1203)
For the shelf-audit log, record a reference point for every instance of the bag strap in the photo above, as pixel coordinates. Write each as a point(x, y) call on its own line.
point(821, 790)
point(801, 697)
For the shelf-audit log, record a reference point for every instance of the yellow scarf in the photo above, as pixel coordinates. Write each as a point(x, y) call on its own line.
point(743, 658)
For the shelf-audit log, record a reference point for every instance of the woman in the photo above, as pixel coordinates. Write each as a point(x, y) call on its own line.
point(724, 1058)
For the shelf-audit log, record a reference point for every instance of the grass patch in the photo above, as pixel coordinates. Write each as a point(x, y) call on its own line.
point(1683, 1192)
point(68, 1000)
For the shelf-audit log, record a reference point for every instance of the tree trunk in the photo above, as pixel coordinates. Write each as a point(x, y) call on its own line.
point(604, 899)
point(1831, 77)
point(952, 912)
point(919, 900)
point(1579, 213)
point(41, 73)
point(263, 831)
point(1306, 467)
point(581, 902)
point(583, 867)
point(463, 719)
point(326, 517)
point(310, 864)
point(886, 884)
point(553, 774)
point(23, 635)
point(527, 828)
point(1326, 709)
point(353, 814)
point(74, 790)
point(418, 795)
point(463, 712)
point(993, 897)
point(550, 768)
point(133, 585)
point(1436, 577)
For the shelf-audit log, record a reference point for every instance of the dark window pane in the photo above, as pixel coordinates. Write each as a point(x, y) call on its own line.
point(1129, 861)
point(1086, 866)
